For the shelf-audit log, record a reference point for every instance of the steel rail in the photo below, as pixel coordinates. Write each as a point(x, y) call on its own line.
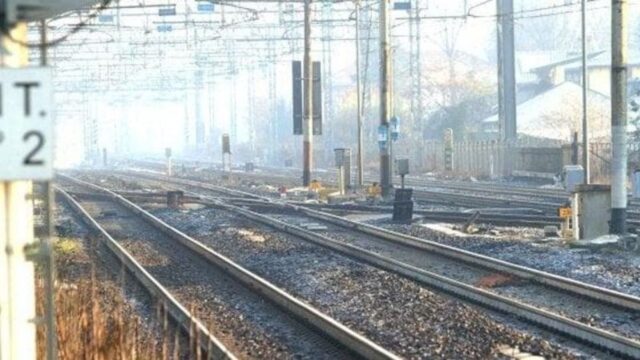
point(468, 200)
point(338, 332)
point(561, 283)
point(568, 327)
point(597, 293)
point(506, 189)
point(446, 198)
point(563, 325)
point(445, 216)
point(475, 200)
point(496, 219)
point(455, 216)
point(178, 313)
point(491, 188)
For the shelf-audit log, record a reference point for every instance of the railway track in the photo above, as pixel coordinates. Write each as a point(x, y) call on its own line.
point(280, 326)
point(489, 216)
point(485, 217)
point(274, 173)
point(491, 188)
point(176, 311)
point(476, 195)
point(431, 192)
point(482, 201)
point(538, 297)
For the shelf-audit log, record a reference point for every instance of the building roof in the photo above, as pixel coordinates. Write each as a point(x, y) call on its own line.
point(528, 61)
point(571, 60)
point(557, 113)
point(604, 59)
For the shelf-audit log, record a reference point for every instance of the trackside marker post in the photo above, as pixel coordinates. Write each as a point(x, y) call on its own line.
point(26, 148)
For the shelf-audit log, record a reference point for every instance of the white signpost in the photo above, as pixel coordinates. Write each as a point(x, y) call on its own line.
point(26, 124)
point(26, 153)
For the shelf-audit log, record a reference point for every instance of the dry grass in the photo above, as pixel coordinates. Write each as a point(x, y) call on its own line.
point(95, 321)
point(95, 317)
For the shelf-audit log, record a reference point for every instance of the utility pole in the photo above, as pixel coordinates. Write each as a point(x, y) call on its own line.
point(307, 126)
point(251, 87)
point(585, 88)
point(212, 118)
point(273, 101)
point(17, 274)
point(415, 75)
point(233, 106)
point(618, 116)
point(199, 121)
point(326, 143)
point(418, 65)
point(385, 101)
point(359, 99)
point(506, 71)
point(50, 265)
point(186, 124)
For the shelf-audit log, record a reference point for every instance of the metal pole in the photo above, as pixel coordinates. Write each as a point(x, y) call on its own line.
point(359, 99)
point(506, 70)
point(307, 126)
point(17, 274)
point(50, 265)
point(585, 88)
point(385, 158)
point(341, 182)
point(618, 116)
point(418, 89)
point(186, 124)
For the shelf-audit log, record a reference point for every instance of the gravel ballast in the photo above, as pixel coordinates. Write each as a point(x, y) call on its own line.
point(394, 312)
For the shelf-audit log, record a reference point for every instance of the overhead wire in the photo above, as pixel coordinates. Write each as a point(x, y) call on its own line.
point(104, 4)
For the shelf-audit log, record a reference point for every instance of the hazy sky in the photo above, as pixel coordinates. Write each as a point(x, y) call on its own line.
point(110, 58)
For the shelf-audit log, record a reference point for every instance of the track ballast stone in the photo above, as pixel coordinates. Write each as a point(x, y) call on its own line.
point(394, 312)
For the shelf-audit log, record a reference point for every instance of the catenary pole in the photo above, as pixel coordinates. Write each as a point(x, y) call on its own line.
point(359, 98)
point(585, 88)
point(307, 126)
point(618, 116)
point(385, 101)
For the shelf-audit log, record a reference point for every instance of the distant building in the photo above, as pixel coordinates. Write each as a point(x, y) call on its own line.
point(557, 113)
point(530, 80)
point(598, 70)
point(550, 94)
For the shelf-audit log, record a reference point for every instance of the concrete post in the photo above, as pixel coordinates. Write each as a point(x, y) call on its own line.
point(618, 116)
